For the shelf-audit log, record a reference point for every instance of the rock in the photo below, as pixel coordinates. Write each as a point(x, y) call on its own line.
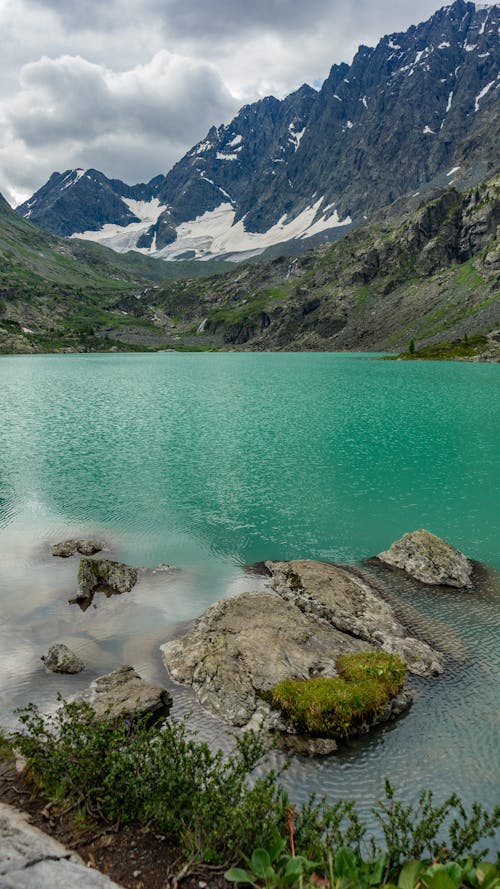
point(429, 559)
point(305, 746)
point(246, 645)
point(341, 596)
point(65, 549)
point(102, 574)
point(60, 659)
point(123, 693)
point(30, 859)
point(89, 547)
point(69, 547)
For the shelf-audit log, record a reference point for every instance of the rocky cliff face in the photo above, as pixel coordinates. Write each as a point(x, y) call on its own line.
point(429, 273)
point(288, 170)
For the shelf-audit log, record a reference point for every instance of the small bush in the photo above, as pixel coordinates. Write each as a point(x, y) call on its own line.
point(332, 708)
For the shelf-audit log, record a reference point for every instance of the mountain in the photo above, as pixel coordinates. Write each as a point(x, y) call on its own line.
point(422, 269)
point(420, 110)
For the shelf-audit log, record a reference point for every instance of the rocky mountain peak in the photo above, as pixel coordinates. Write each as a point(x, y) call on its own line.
point(420, 109)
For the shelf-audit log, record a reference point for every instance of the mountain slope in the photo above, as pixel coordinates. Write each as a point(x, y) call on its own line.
point(53, 291)
point(419, 110)
point(425, 270)
point(424, 273)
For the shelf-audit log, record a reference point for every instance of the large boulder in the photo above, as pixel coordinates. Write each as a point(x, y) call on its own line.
point(60, 659)
point(242, 647)
point(124, 694)
point(341, 596)
point(68, 548)
point(429, 559)
point(102, 574)
point(31, 859)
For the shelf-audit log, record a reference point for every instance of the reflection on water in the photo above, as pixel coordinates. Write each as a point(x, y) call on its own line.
point(210, 462)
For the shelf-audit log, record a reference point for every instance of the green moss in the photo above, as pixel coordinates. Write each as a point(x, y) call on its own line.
point(386, 669)
point(333, 708)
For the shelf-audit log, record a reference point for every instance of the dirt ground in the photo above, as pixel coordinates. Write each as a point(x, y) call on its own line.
point(134, 857)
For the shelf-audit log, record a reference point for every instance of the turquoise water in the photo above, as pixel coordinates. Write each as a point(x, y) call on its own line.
point(212, 461)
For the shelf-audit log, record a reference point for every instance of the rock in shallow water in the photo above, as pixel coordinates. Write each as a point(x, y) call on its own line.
point(68, 548)
point(429, 559)
point(60, 659)
point(248, 644)
point(124, 694)
point(102, 574)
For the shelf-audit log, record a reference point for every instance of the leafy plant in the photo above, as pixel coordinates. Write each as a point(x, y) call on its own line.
point(273, 868)
point(119, 772)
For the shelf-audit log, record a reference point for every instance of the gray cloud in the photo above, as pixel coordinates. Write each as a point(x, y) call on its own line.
point(133, 123)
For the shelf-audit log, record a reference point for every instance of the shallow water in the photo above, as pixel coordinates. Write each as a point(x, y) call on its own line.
point(209, 462)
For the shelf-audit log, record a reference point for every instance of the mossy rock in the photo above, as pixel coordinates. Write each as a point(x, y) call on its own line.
point(333, 708)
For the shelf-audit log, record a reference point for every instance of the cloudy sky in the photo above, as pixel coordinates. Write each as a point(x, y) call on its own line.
point(126, 86)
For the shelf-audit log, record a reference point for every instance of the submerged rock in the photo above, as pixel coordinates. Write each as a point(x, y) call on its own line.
point(60, 659)
point(342, 597)
point(102, 574)
point(123, 693)
point(69, 547)
point(429, 559)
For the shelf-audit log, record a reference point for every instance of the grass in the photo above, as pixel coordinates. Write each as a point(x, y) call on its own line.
point(335, 707)
point(464, 348)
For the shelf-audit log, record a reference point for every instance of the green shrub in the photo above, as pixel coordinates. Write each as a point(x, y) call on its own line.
point(164, 778)
point(140, 773)
point(332, 708)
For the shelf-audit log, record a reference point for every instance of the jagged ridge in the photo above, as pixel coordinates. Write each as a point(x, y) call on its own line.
point(285, 169)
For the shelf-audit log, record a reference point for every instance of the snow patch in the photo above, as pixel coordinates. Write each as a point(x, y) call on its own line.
point(221, 156)
point(453, 170)
point(469, 47)
point(444, 45)
point(392, 45)
point(236, 141)
point(349, 124)
point(295, 135)
point(215, 233)
point(427, 129)
point(124, 237)
point(483, 26)
point(450, 100)
point(481, 95)
point(202, 148)
point(73, 177)
point(204, 176)
point(337, 97)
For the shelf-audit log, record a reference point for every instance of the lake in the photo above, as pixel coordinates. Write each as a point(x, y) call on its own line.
point(209, 462)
